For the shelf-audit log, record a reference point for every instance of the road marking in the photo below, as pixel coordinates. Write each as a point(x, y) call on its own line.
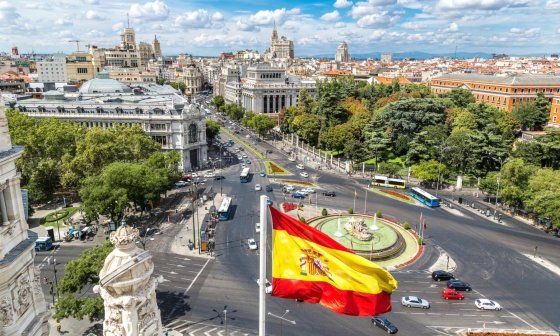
point(544, 263)
point(196, 277)
point(527, 323)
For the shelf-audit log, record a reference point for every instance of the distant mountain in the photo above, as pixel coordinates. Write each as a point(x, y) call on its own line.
point(414, 54)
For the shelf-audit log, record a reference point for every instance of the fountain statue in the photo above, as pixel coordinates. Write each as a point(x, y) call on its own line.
point(128, 288)
point(358, 229)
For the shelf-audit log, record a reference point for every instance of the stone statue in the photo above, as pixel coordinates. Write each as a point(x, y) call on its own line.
point(358, 229)
point(128, 288)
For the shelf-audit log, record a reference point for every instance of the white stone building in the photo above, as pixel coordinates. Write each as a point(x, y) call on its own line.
point(194, 79)
point(52, 70)
point(271, 90)
point(22, 303)
point(342, 54)
point(160, 111)
point(280, 47)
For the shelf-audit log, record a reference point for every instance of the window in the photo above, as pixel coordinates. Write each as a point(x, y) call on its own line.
point(193, 133)
point(82, 70)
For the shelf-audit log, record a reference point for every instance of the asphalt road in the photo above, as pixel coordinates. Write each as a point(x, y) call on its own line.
point(488, 257)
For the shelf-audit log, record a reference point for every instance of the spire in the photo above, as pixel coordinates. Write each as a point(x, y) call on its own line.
point(127, 20)
point(274, 32)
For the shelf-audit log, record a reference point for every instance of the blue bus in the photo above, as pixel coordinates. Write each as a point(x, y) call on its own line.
point(224, 212)
point(424, 197)
point(245, 175)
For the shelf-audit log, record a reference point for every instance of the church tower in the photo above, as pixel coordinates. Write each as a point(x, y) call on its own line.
point(157, 48)
point(274, 36)
point(22, 303)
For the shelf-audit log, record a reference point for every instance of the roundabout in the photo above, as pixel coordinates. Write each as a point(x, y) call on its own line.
point(385, 242)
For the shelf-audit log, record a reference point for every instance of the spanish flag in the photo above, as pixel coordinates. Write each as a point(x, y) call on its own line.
point(309, 265)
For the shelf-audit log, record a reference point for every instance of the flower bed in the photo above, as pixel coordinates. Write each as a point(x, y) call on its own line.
point(289, 206)
point(396, 194)
point(300, 183)
point(273, 168)
point(56, 218)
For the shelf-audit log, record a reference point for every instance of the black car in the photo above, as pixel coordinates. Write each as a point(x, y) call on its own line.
point(384, 324)
point(268, 151)
point(442, 276)
point(329, 193)
point(219, 177)
point(459, 285)
point(268, 188)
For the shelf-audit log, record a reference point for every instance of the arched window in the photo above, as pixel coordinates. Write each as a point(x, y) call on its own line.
point(193, 133)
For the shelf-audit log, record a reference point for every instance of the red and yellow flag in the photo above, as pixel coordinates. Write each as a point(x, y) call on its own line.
point(309, 265)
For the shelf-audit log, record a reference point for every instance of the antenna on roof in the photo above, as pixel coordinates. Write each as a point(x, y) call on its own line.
point(127, 20)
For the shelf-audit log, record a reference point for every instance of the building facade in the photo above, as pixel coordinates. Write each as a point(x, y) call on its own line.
point(280, 47)
point(342, 54)
point(386, 58)
point(80, 67)
point(22, 303)
point(501, 91)
point(270, 90)
point(160, 111)
point(194, 79)
point(52, 70)
point(554, 117)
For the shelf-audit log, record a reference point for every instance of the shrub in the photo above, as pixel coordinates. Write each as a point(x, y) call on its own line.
point(378, 213)
point(324, 212)
point(406, 226)
point(420, 241)
point(351, 211)
point(302, 219)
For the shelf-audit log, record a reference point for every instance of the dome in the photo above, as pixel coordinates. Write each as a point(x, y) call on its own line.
point(103, 85)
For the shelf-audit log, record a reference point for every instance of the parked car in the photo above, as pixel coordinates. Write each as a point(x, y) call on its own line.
point(268, 188)
point(269, 151)
point(252, 244)
point(258, 187)
point(486, 304)
point(459, 285)
point(219, 177)
point(329, 193)
point(257, 227)
point(180, 184)
point(262, 173)
point(308, 190)
point(304, 174)
point(267, 286)
point(289, 187)
point(244, 156)
point(248, 161)
point(415, 302)
point(298, 195)
point(442, 275)
point(209, 174)
point(300, 166)
point(451, 294)
point(291, 159)
point(384, 324)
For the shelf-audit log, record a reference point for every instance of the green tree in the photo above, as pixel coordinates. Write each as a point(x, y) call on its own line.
point(514, 181)
point(530, 116)
point(44, 180)
point(544, 194)
point(460, 153)
point(287, 118)
point(262, 124)
point(178, 86)
point(79, 273)
point(335, 138)
point(428, 170)
point(427, 144)
point(464, 119)
point(218, 102)
point(377, 143)
point(212, 129)
point(460, 97)
point(160, 81)
point(389, 168)
point(307, 127)
point(489, 183)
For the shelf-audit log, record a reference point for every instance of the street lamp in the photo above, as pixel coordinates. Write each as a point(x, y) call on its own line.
point(282, 319)
point(502, 161)
point(223, 317)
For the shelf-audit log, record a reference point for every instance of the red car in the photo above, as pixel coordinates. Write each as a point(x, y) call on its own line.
point(452, 294)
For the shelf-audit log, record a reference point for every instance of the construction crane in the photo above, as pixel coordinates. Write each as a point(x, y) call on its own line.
point(77, 44)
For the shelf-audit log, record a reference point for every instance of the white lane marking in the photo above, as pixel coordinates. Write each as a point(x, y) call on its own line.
point(544, 263)
point(196, 277)
point(527, 323)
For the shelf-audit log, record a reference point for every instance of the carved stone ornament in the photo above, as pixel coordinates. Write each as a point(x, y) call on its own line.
point(23, 294)
point(6, 311)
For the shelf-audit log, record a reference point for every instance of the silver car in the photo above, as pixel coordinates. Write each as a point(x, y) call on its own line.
point(415, 302)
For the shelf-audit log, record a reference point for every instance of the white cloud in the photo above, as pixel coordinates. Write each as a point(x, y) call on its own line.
point(63, 21)
point(117, 26)
point(377, 20)
point(342, 3)
point(331, 16)
point(150, 11)
point(361, 9)
point(93, 15)
point(199, 18)
point(531, 32)
point(453, 27)
point(553, 4)
point(415, 25)
point(480, 4)
point(340, 25)
point(8, 13)
point(267, 17)
point(91, 2)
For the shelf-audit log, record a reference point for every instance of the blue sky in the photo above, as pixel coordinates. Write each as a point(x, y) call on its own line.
point(212, 26)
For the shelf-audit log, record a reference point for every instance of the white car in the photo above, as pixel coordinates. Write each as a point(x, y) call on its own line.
point(180, 184)
point(258, 187)
point(239, 157)
point(308, 190)
point(291, 159)
point(248, 136)
point(267, 286)
point(415, 302)
point(304, 174)
point(486, 304)
point(252, 244)
point(300, 166)
point(243, 165)
point(257, 227)
point(209, 175)
point(194, 175)
point(244, 156)
point(289, 187)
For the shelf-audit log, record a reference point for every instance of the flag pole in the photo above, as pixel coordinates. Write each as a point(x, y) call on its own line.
point(262, 265)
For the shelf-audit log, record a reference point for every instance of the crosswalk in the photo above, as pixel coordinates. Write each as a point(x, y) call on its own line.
point(191, 328)
point(447, 330)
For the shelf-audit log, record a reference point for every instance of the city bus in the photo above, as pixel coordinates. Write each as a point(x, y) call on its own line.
point(383, 181)
point(424, 197)
point(245, 175)
point(224, 212)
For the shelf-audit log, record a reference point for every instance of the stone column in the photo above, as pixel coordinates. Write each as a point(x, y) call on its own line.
point(3, 208)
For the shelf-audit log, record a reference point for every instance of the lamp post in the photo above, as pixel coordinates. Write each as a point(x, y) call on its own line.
point(282, 319)
point(502, 161)
point(55, 280)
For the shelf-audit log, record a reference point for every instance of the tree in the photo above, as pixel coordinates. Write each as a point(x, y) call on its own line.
point(460, 152)
point(179, 86)
point(262, 124)
point(44, 181)
point(464, 119)
point(307, 127)
point(335, 138)
point(460, 97)
point(427, 144)
point(544, 194)
point(530, 116)
point(377, 143)
point(389, 168)
point(212, 129)
point(218, 102)
point(514, 181)
point(160, 81)
point(78, 274)
point(428, 170)
point(489, 183)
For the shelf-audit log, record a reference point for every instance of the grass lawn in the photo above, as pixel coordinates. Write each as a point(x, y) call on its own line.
point(242, 142)
point(56, 218)
point(272, 168)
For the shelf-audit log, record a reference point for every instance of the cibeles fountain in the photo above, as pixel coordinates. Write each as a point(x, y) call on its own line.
point(128, 288)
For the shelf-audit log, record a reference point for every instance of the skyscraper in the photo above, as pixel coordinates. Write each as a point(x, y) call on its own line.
point(342, 54)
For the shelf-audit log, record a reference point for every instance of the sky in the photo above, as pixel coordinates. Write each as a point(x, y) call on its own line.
point(209, 27)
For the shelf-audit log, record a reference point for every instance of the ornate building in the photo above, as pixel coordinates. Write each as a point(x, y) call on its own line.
point(194, 79)
point(280, 47)
point(157, 48)
point(22, 304)
point(128, 288)
point(342, 54)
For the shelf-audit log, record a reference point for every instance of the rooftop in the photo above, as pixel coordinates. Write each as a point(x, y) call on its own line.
point(510, 79)
point(102, 85)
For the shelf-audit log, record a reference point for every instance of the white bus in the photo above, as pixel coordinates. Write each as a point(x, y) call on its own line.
point(224, 212)
point(245, 175)
point(383, 181)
